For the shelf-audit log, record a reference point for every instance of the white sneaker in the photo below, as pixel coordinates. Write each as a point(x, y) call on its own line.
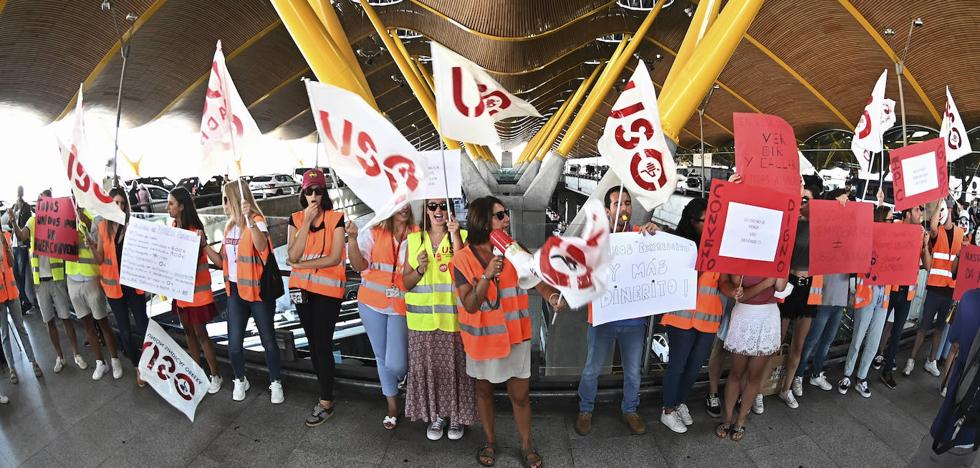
point(241, 386)
point(789, 399)
point(758, 407)
point(455, 431)
point(215, 384)
point(100, 370)
point(59, 364)
point(673, 421)
point(844, 385)
point(685, 414)
point(909, 366)
point(436, 429)
point(80, 362)
point(821, 381)
point(276, 389)
point(797, 387)
point(4, 400)
point(931, 368)
point(863, 389)
point(117, 370)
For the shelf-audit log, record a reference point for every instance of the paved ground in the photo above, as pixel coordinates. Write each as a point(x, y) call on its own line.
point(68, 420)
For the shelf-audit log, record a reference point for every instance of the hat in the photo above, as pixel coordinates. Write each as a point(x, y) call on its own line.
point(314, 178)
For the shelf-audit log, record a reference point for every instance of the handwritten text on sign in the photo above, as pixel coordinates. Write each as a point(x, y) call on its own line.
point(438, 178)
point(171, 371)
point(968, 273)
point(648, 275)
point(160, 259)
point(55, 233)
point(766, 153)
point(895, 253)
point(920, 174)
point(836, 241)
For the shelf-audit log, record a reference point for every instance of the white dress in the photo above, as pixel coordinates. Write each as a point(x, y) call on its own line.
point(754, 330)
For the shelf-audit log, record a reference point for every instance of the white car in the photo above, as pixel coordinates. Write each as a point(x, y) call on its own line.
point(272, 185)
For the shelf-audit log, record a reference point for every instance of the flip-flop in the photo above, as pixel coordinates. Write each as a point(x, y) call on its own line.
point(737, 433)
point(488, 451)
point(722, 430)
point(390, 422)
point(526, 458)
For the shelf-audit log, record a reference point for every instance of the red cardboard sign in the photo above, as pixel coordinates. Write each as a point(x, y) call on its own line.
point(895, 254)
point(55, 231)
point(765, 152)
point(968, 272)
point(840, 237)
point(760, 235)
point(919, 173)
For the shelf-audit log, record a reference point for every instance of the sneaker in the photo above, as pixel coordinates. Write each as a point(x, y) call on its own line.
point(758, 407)
point(80, 362)
point(318, 416)
point(275, 388)
point(59, 364)
point(713, 405)
point(789, 399)
point(13, 376)
point(844, 385)
point(455, 431)
point(583, 424)
point(797, 387)
point(931, 368)
point(863, 389)
point(821, 381)
point(37, 370)
point(888, 379)
point(100, 370)
point(241, 386)
point(215, 385)
point(685, 414)
point(636, 424)
point(436, 429)
point(878, 362)
point(673, 421)
point(4, 400)
point(909, 366)
point(117, 370)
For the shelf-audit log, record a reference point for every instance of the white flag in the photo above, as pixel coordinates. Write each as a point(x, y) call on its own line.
point(953, 132)
point(222, 151)
point(469, 101)
point(87, 189)
point(571, 264)
point(878, 116)
point(633, 142)
point(378, 164)
point(170, 371)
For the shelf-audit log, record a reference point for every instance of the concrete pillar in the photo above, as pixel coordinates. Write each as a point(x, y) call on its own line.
point(530, 171)
point(474, 186)
point(487, 174)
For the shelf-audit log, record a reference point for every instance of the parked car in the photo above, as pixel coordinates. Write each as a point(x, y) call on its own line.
point(273, 185)
point(298, 176)
point(162, 182)
point(157, 198)
point(208, 194)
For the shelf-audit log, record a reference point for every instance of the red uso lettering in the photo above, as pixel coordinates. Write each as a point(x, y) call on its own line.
point(458, 96)
point(400, 171)
point(79, 176)
point(646, 166)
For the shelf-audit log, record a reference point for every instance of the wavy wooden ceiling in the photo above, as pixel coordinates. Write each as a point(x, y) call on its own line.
point(811, 62)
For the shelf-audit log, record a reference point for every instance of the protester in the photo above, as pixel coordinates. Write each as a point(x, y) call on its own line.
point(107, 250)
point(315, 247)
point(439, 391)
point(716, 362)
point(52, 294)
point(629, 333)
point(195, 314)
point(10, 306)
point(496, 326)
point(245, 251)
point(19, 214)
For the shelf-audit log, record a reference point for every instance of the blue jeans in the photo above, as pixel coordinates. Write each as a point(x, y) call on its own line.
point(389, 341)
point(23, 277)
point(263, 312)
point(688, 351)
point(134, 303)
point(823, 330)
point(632, 339)
point(900, 304)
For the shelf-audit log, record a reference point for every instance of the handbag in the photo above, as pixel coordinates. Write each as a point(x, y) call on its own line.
point(270, 284)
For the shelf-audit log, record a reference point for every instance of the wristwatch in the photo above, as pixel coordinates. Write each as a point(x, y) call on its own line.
point(484, 276)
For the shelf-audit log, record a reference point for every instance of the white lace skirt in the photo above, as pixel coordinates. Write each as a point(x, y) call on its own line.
point(753, 330)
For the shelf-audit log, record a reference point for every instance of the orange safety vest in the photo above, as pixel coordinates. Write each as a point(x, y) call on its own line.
point(706, 318)
point(816, 291)
point(862, 294)
point(8, 285)
point(490, 333)
point(249, 262)
point(943, 256)
point(383, 273)
point(202, 280)
point(324, 281)
point(109, 269)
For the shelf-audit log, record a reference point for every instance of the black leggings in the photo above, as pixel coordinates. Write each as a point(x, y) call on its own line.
point(318, 316)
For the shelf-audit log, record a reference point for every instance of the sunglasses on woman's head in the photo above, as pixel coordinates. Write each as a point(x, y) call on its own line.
point(313, 191)
point(500, 215)
point(437, 206)
point(805, 200)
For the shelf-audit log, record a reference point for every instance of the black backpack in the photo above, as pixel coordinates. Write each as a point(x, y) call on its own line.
point(270, 284)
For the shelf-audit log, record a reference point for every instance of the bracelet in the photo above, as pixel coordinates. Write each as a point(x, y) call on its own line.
point(420, 272)
point(484, 276)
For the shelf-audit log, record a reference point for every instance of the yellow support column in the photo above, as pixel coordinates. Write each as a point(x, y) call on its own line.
point(705, 15)
point(572, 104)
point(328, 18)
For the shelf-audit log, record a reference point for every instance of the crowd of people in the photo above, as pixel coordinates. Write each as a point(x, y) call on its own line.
point(448, 321)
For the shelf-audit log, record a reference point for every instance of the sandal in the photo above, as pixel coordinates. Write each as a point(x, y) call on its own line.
point(526, 456)
point(737, 433)
point(722, 430)
point(390, 422)
point(487, 452)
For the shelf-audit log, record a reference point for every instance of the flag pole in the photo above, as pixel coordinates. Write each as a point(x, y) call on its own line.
point(231, 131)
point(124, 47)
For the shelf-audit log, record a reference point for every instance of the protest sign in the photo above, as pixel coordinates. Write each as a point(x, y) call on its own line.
point(919, 173)
point(433, 184)
point(895, 253)
point(748, 230)
point(766, 153)
point(55, 231)
point(968, 272)
point(647, 275)
point(839, 237)
point(159, 259)
point(170, 371)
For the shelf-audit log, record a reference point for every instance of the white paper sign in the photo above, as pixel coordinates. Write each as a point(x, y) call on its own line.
point(171, 371)
point(159, 259)
point(647, 275)
point(434, 183)
point(751, 232)
point(919, 174)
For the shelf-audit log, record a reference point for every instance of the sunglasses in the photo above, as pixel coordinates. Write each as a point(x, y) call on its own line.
point(437, 206)
point(805, 200)
point(500, 215)
point(313, 191)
